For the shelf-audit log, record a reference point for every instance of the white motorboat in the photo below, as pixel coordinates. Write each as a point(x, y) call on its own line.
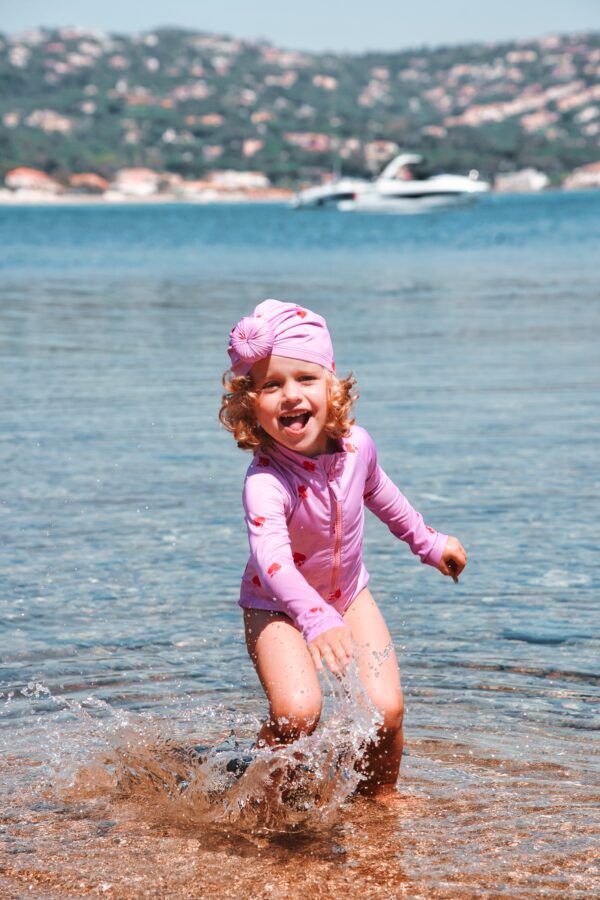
point(331, 194)
point(399, 189)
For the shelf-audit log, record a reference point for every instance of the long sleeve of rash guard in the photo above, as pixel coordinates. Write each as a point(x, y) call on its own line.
point(387, 502)
point(265, 504)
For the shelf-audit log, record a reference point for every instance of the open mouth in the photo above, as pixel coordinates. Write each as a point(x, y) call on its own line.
point(295, 423)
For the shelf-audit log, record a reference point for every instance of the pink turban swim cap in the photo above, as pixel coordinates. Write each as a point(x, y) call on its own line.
point(283, 329)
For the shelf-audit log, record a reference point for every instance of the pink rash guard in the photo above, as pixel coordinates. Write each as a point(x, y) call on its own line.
point(305, 518)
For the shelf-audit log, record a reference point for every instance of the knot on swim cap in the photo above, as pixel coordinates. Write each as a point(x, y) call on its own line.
point(251, 339)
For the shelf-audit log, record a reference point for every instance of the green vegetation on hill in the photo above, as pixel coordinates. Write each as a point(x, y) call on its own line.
point(74, 100)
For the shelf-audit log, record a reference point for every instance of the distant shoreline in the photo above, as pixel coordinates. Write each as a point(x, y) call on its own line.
point(9, 199)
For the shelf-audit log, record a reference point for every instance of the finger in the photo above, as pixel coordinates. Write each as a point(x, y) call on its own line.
point(340, 654)
point(459, 556)
point(452, 569)
point(329, 658)
point(348, 644)
point(316, 658)
point(348, 647)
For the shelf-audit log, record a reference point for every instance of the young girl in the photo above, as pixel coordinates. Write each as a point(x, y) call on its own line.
point(304, 589)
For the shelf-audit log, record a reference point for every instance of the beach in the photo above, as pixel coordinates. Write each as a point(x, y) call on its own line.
point(473, 336)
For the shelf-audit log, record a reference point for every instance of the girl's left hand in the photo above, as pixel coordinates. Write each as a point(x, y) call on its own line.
point(454, 558)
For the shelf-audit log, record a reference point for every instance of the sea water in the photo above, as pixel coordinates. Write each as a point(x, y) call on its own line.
point(474, 338)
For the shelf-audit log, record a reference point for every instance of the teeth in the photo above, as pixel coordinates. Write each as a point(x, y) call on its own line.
point(299, 417)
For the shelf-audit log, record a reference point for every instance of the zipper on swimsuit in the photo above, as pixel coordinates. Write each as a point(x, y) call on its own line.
point(337, 535)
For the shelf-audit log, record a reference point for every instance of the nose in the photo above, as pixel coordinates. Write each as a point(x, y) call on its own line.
point(291, 390)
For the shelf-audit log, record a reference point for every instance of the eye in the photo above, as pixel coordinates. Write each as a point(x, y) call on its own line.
point(270, 386)
point(307, 378)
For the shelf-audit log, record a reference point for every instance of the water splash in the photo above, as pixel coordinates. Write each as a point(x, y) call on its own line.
point(94, 754)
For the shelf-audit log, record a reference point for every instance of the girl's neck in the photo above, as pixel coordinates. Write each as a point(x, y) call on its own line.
point(334, 445)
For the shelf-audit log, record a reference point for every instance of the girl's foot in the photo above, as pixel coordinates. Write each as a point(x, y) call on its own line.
point(388, 796)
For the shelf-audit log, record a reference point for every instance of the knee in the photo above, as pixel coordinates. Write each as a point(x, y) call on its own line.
point(299, 715)
point(391, 710)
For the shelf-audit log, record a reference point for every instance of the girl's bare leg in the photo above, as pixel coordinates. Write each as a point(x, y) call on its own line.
point(380, 676)
point(287, 674)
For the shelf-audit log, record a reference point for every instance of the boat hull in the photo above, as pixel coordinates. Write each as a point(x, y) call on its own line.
point(406, 205)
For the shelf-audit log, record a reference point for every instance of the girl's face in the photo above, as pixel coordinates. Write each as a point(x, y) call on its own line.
point(292, 403)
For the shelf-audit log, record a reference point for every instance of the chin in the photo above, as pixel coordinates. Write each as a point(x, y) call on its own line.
point(307, 445)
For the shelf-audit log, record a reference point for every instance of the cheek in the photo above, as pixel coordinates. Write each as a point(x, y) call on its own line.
point(322, 403)
point(263, 411)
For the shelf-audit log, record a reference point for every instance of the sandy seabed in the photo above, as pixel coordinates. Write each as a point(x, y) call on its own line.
point(471, 838)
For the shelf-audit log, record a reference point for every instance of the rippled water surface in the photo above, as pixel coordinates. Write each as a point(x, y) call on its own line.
point(474, 338)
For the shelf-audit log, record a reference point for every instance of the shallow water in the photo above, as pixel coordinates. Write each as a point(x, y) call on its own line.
point(473, 335)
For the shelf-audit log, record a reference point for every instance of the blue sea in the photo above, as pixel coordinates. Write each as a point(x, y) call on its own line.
point(473, 334)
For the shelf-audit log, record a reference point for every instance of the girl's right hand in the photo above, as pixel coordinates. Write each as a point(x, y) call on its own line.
point(335, 646)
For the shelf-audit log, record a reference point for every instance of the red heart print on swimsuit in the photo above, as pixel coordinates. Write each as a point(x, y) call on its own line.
point(335, 595)
point(259, 521)
point(274, 567)
point(316, 609)
point(301, 313)
point(302, 491)
point(350, 448)
point(309, 466)
point(263, 462)
point(299, 558)
point(256, 581)
point(430, 530)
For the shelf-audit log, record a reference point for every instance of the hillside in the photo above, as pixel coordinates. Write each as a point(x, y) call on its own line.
point(74, 100)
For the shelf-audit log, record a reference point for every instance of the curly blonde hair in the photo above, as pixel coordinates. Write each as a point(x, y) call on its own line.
point(237, 411)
